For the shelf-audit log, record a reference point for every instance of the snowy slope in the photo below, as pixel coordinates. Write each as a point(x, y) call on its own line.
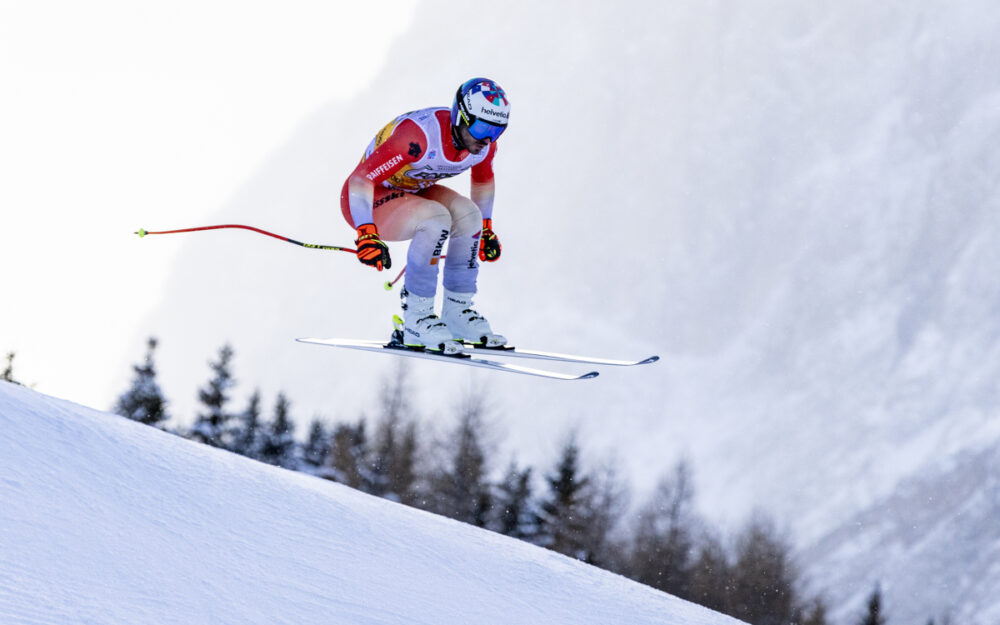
point(107, 521)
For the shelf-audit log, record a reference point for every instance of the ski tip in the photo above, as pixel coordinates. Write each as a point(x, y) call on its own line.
point(649, 360)
point(587, 376)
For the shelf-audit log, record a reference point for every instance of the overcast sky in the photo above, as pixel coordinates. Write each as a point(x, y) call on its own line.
point(112, 110)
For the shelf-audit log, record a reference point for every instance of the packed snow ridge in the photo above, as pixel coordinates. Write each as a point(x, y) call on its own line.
point(105, 520)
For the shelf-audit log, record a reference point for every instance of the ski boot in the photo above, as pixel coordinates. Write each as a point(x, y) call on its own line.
point(420, 328)
point(465, 323)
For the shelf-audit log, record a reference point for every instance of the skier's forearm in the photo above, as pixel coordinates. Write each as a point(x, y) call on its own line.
point(483, 187)
point(361, 194)
point(482, 194)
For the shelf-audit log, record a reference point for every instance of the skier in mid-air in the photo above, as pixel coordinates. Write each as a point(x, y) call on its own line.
point(392, 195)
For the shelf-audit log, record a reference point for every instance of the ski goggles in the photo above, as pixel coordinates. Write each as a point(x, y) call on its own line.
point(481, 129)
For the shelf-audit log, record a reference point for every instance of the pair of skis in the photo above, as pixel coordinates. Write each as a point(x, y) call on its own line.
point(473, 357)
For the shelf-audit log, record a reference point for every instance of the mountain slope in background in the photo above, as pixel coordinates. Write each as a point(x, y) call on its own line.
point(935, 541)
point(108, 521)
point(818, 194)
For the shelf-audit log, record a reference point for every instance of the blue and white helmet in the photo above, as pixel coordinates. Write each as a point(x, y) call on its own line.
point(483, 106)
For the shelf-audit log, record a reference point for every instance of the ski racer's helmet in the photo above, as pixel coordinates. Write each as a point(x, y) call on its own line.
point(482, 105)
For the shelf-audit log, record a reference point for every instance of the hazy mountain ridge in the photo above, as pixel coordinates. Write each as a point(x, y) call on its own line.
point(934, 541)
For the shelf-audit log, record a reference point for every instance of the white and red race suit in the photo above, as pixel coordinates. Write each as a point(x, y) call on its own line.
point(394, 187)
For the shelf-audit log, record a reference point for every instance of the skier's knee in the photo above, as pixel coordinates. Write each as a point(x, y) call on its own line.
point(436, 219)
point(466, 218)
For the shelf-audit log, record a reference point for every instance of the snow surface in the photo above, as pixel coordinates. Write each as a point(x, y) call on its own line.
point(104, 520)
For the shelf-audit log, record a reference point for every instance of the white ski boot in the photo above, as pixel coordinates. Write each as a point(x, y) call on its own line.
point(422, 328)
point(465, 323)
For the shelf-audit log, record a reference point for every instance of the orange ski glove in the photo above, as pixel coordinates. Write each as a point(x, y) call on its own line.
point(372, 250)
point(489, 244)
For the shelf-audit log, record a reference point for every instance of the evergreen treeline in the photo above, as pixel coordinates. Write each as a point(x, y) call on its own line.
point(568, 506)
point(7, 375)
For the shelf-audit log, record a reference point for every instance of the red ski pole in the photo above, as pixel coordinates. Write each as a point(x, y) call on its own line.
point(143, 232)
point(388, 284)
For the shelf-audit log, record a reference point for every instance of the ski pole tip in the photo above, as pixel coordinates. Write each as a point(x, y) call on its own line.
point(387, 285)
point(142, 232)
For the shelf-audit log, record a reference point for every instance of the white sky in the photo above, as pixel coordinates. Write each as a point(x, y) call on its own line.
point(110, 111)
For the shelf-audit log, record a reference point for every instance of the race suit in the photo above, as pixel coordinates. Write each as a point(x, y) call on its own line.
point(394, 187)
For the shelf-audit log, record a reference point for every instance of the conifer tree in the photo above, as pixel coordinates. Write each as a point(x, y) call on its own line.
point(710, 578)
point(874, 615)
point(247, 433)
point(382, 456)
point(604, 501)
point(813, 614)
point(563, 522)
point(278, 438)
point(317, 446)
point(402, 471)
point(762, 576)
point(144, 401)
point(348, 459)
point(514, 511)
point(662, 551)
point(394, 450)
point(8, 373)
point(460, 487)
point(212, 426)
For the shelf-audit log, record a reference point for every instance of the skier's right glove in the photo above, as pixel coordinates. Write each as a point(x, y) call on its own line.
point(372, 250)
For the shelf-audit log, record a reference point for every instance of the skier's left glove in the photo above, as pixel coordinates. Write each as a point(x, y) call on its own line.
point(489, 244)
